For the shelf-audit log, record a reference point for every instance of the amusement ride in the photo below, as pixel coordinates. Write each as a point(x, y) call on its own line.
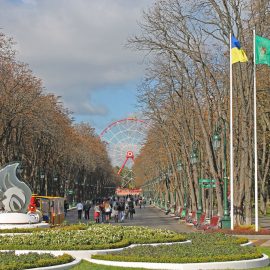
point(124, 139)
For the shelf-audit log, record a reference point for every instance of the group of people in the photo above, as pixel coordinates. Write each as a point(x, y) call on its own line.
point(116, 208)
point(84, 209)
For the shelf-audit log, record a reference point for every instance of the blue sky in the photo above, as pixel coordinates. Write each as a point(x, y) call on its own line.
point(78, 49)
point(119, 100)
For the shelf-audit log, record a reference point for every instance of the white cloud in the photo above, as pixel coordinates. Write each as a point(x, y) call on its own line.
point(76, 47)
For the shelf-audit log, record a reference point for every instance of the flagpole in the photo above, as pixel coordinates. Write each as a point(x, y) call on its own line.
point(231, 137)
point(255, 137)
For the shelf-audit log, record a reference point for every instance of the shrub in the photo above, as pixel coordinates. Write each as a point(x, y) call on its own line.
point(204, 248)
point(88, 237)
point(10, 261)
point(72, 227)
point(245, 230)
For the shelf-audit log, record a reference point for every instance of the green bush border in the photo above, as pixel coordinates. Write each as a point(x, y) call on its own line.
point(128, 237)
point(167, 259)
point(175, 238)
point(216, 241)
point(120, 244)
point(72, 227)
point(62, 259)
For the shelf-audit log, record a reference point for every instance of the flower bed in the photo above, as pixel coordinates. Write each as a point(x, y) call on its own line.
point(10, 261)
point(204, 248)
point(80, 226)
point(94, 237)
point(245, 230)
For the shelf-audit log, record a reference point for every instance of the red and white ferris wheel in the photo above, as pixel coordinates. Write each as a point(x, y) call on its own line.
point(124, 139)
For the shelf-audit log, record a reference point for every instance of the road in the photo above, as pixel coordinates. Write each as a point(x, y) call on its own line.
point(148, 216)
point(154, 217)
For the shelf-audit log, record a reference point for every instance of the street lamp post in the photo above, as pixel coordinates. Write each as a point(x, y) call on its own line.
point(55, 178)
point(180, 167)
point(194, 159)
point(226, 220)
point(42, 176)
point(168, 175)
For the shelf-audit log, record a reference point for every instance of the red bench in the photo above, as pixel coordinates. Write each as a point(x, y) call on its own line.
point(201, 221)
point(191, 218)
point(214, 223)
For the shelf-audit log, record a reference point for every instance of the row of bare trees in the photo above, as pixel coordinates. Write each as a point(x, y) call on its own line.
point(186, 92)
point(58, 157)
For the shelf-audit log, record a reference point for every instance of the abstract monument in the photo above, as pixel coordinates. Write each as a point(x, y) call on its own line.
point(15, 197)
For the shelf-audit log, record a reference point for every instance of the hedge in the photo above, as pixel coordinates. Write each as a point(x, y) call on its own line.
point(187, 259)
point(10, 261)
point(203, 248)
point(93, 237)
point(73, 227)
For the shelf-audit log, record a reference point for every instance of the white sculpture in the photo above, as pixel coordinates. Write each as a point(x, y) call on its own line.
point(15, 197)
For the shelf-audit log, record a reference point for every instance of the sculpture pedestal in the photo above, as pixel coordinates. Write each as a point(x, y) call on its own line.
point(20, 220)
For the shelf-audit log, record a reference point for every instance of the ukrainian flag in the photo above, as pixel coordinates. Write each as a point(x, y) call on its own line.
point(237, 54)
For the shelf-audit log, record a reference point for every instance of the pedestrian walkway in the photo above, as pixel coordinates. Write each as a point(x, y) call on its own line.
point(154, 217)
point(264, 222)
point(148, 216)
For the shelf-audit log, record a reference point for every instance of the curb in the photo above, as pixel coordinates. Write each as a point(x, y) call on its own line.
point(85, 254)
point(245, 264)
point(248, 244)
point(254, 236)
point(136, 245)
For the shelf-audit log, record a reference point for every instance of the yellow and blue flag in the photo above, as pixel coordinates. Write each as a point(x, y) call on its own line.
point(238, 54)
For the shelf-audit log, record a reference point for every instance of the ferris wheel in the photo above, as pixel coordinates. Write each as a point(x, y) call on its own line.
point(124, 139)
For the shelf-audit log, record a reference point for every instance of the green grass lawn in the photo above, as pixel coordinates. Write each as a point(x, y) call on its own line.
point(265, 250)
point(90, 266)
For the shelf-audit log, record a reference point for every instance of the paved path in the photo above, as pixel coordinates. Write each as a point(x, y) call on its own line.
point(148, 216)
point(153, 217)
point(264, 222)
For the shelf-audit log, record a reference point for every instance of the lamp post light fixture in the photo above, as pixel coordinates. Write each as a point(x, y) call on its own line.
point(180, 168)
point(41, 182)
point(168, 176)
point(55, 178)
point(221, 128)
point(161, 197)
point(216, 140)
point(195, 159)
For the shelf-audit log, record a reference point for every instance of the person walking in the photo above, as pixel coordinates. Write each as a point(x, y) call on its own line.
point(96, 213)
point(66, 206)
point(140, 202)
point(144, 202)
point(115, 212)
point(102, 211)
point(79, 209)
point(131, 209)
point(121, 211)
point(86, 209)
point(108, 210)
